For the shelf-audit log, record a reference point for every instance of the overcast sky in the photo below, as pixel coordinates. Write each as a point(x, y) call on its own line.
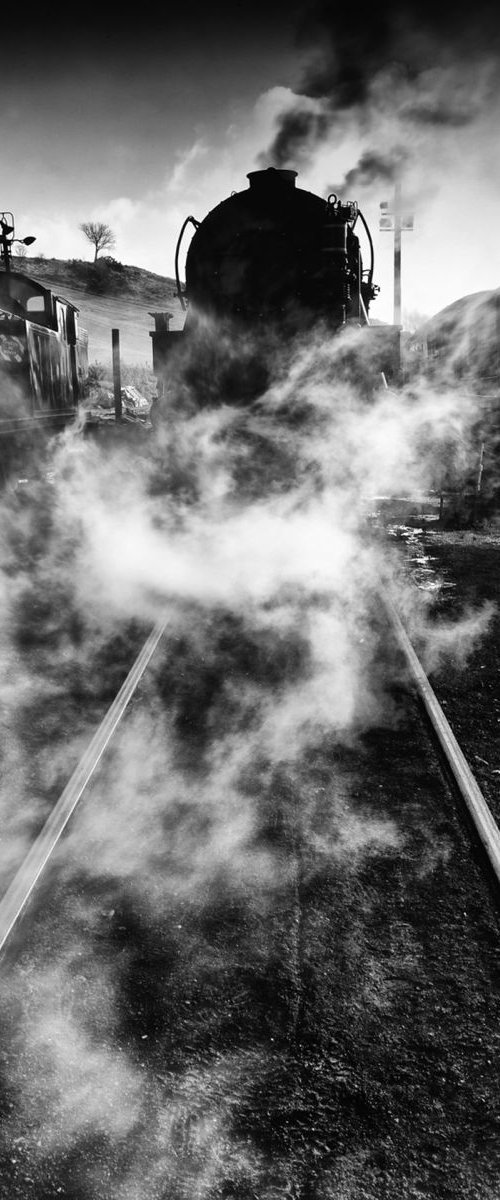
point(140, 121)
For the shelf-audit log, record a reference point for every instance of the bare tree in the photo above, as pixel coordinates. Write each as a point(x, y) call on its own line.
point(101, 236)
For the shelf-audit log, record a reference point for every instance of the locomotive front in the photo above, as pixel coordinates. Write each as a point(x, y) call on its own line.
point(276, 253)
point(266, 264)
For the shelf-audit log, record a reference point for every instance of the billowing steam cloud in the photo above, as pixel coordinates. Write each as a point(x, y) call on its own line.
point(393, 74)
point(376, 168)
point(153, 1010)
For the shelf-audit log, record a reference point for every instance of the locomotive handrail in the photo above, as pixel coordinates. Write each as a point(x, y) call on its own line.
point(177, 249)
point(370, 269)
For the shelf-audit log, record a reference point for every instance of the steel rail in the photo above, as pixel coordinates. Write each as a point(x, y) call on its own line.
point(482, 818)
point(21, 887)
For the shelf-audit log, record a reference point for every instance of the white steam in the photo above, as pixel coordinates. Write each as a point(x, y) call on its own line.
point(248, 532)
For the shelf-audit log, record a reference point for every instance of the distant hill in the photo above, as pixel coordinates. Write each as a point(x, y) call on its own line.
point(110, 295)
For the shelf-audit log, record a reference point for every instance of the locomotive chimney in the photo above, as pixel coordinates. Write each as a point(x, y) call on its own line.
point(272, 177)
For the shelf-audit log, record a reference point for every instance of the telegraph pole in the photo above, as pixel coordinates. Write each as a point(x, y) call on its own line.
point(397, 253)
point(392, 220)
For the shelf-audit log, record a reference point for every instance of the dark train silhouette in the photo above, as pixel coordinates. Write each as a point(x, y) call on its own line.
point(273, 260)
point(43, 363)
point(43, 355)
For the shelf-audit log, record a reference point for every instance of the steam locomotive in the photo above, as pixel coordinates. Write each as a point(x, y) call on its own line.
point(271, 261)
point(43, 365)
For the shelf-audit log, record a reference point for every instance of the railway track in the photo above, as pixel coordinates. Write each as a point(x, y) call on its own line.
point(288, 987)
point(482, 822)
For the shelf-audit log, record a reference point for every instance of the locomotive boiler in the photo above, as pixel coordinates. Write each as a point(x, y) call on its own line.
point(266, 264)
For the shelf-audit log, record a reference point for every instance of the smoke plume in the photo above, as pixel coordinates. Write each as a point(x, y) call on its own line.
point(393, 76)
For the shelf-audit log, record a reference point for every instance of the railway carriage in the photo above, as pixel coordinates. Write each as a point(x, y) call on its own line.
point(43, 365)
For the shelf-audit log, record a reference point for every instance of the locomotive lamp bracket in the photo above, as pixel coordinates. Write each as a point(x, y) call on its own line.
point(347, 210)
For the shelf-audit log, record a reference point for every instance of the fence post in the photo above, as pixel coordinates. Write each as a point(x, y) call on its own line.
point(115, 342)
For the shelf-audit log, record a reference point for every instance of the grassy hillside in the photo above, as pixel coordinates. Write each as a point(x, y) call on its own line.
point(110, 296)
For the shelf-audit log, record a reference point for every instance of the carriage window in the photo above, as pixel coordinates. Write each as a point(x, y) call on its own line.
point(35, 304)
